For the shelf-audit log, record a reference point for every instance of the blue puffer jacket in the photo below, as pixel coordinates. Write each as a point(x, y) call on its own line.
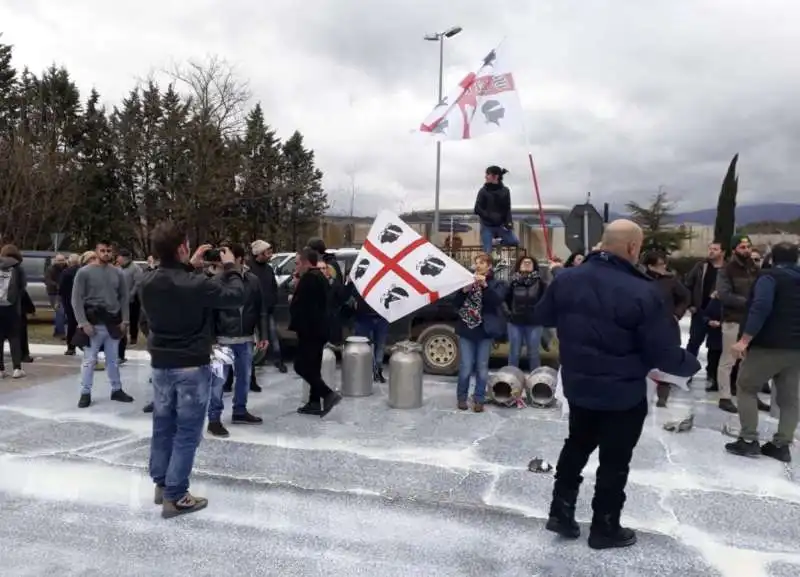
point(612, 329)
point(493, 325)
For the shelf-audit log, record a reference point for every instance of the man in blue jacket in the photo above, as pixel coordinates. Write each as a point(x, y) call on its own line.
point(613, 330)
point(770, 347)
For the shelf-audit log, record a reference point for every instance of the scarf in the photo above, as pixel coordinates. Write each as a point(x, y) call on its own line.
point(471, 311)
point(525, 278)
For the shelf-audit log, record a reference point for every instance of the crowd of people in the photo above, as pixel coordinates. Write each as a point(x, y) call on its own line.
point(615, 312)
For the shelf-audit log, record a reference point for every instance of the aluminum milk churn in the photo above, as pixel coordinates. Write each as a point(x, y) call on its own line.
point(405, 376)
point(506, 386)
point(541, 384)
point(357, 367)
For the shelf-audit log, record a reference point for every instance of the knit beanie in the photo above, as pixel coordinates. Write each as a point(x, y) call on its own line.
point(737, 239)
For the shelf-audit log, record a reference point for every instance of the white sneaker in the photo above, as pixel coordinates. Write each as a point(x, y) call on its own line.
point(18, 374)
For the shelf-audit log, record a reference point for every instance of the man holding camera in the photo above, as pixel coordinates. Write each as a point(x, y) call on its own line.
point(237, 329)
point(179, 303)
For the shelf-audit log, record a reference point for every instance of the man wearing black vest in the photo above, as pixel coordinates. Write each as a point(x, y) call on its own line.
point(770, 348)
point(734, 282)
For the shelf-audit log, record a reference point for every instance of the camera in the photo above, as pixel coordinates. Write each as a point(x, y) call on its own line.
point(212, 255)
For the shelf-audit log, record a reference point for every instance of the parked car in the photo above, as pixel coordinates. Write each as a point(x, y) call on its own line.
point(433, 327)
point(35, 264)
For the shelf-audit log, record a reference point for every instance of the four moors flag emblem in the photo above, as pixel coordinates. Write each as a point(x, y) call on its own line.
point(485, 101)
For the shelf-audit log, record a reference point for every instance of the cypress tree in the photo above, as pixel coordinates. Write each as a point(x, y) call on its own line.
point(725, 224)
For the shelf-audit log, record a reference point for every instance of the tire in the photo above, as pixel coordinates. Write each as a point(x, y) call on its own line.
point(439, 349)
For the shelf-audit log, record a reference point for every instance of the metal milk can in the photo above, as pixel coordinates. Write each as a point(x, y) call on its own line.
point(405, 376)
point(329, 373)
point(357, 367)
point(506, 386)
point(541, 384)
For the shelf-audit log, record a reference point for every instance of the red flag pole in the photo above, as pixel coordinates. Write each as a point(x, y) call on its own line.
point(542, 220)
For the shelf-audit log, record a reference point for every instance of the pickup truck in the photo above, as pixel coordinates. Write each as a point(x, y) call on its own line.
point(433, 326)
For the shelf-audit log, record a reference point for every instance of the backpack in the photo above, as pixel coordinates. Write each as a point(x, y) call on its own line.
point(6, 278)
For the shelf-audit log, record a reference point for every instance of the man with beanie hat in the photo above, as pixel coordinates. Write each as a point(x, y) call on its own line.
point(734, 282)
point(259, 266)
point(493, 207)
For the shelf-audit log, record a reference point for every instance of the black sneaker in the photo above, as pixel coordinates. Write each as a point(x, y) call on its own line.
point(27, 359)
point(69, 353)
point(727, 406)
point(186, 504)
point(84, 401)
point(762, 406)
point(281, 366)
point(314, 409)
point(743, 448)
point(255, 387)
point(379, 378)
point(331, 400)
point(246, 419)
point(148, 408)
point(121, 397)
point(217, 429)
point(122, 361)
point(778, 452)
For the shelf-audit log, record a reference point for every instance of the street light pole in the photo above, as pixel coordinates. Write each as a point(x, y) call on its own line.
point(440, 38)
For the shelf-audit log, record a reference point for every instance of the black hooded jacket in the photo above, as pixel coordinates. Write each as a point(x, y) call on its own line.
point(269, 285)
point(249, 319)
point(493, 205)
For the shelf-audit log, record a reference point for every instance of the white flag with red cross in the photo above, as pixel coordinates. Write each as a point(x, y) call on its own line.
point(484, 102)
point(398, 272)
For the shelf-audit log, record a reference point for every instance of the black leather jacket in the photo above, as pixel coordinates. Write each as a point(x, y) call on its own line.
point(249, 319)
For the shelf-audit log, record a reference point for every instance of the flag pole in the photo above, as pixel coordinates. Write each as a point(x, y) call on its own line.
point(542, 220)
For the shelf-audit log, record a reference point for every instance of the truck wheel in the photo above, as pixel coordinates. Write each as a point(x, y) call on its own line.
point(439, 350)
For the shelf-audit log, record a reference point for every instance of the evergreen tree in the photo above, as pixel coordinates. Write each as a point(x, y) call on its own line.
point(725, 223)
point(656, 222)
point(8, 90)
point(305, 199)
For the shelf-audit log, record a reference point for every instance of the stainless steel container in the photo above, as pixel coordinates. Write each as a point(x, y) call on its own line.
point(405, 376)
point(506, 386)
point(541, 385)
point(329, 373)
point(357, 367)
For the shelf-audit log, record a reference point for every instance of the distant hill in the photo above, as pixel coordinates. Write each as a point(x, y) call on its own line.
point(745, 214)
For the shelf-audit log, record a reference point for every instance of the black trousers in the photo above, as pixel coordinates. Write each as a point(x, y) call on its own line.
point(713, 364)
point(308, 365)
point(615, 433)
point(135, 311)
point(23, 337)
point(10, 330)
point(72, 327)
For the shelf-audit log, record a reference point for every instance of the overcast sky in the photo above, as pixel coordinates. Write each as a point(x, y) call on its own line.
point(620, 96)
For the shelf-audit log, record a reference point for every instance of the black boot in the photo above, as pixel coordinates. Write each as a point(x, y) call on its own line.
point(254, 386)
point(378, 376)
point(607, 533)
point(281, 366)
point(562, 515)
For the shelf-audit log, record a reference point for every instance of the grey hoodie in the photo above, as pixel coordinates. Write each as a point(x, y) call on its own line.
point(12, 282)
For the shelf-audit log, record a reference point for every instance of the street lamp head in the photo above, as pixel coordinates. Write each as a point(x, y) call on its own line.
point(432, 37)
point(452, 31)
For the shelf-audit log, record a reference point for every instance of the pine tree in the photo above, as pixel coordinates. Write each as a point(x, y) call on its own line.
point(725, 223)
point(8, 90)
point(306, 201)
point(656, 220)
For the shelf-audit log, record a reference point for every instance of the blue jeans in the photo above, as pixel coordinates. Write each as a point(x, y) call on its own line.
point(180, 398)
point(698, 331)
point(376, 329)
point(274, 340)
point(110, 347)
point(489, 233)
point(473, 359)
point(242, 368)
point(531, 336)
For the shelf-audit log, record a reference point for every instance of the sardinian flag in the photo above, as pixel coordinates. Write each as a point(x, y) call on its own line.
point(398, 272)
point(485, 101)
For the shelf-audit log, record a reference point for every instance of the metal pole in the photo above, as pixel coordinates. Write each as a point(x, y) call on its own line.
point(438, 146)
point(586, 247)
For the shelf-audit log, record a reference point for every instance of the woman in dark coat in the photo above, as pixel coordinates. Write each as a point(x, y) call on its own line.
point(676, 297)
point(524, 291)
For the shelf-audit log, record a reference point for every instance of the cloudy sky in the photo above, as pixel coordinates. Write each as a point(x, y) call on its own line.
point(620, 96)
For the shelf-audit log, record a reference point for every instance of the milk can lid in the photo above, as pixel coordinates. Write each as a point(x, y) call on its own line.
point(355, 339)
point(408, 347)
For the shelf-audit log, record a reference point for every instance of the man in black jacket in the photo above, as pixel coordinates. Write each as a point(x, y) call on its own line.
point(309, 311)
point(179, 303)
point(259, 265)
point(493, 207)
point(338, 294)
point(237, 329)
